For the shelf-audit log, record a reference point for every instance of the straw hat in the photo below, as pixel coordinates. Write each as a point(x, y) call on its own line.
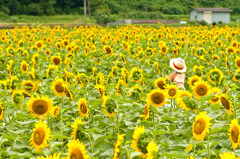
point(178, 65)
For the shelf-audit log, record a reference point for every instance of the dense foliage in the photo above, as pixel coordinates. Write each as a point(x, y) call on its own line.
point(124, 8)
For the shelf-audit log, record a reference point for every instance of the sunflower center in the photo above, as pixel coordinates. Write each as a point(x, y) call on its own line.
point(193, 81)
point(108, 50)
point(76, 154)
point(201, 90)
point(83, 108)
point(199, 126)
point(161, 85)
point(164, 49)
point(39, 45)
point(29, 85)
point(38, 136)
point(157, 98)
point(172, 92)
point(234, 134)
point(40, 106)
point(1, 110)
point(56, 112)
point(24, 67)
point(67, 92)
point(56, 60)
point(238, 63)
point(225, 103)
point(59, 88)
point(215, 99)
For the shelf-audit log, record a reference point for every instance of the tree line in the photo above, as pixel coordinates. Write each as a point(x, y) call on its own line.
point(110, 7)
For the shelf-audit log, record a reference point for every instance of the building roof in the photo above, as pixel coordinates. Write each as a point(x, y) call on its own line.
point(212, 9)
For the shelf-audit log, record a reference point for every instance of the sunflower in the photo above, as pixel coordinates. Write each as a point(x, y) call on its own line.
point(157, 67)
point(24, 67)
point(117, 145)
point(59, 45)
point(57, 87)
point(56, 60)
point(108, 50)
point(29, 86)
point(77, 134)
point(201, 126)
point(40, 136)
point(151, 149)
point(76, 149)
point(193, 79)
point(234, 44)
point(123, 58)
point(215, 76)
point(17, 97)
point(65, 42)
point(234, 133)
point(180, 99)
point(140, 141)
point(226, 103)
point(83, 107)
point(119, 86)
point(230, 50)
point(94, 69)
point(215, 57)
point(50, 68)
point(161, 83)
point(40, 106)
point(163, 49)
point(39, 45)
point(110, 106)
point(32, 73)
point(101, 89)
point(13, 83)
point(54, 156)
point(56, 111)
point(227, 155)
point(201, 88)
point(1, 111)
point(198, 70)
point(189, 147)
point(237, 61)
point(136, 75)
point(146, 112)
point(149, 52)
point(236, 76)
point(157, 98)
point(67, 92)
point(47, 52)
point(219, 43)
point(172, 91)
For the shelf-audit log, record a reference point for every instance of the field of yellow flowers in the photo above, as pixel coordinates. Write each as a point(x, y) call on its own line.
point(101, 93)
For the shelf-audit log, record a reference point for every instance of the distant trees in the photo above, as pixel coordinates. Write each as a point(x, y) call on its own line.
point(109, 7)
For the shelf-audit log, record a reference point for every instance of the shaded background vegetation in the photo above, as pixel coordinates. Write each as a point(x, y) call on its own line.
point(111, 10)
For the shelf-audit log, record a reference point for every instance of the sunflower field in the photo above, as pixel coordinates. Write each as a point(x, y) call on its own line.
point(104, 93)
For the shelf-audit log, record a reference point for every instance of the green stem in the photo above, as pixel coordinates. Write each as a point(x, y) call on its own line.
point(61, 123)
point(153, 120)
point(117, 123)
point(208, 145)
point(90, 141)
point(235, 111)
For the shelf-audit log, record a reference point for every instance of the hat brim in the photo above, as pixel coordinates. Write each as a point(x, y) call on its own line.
point(175, 69)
